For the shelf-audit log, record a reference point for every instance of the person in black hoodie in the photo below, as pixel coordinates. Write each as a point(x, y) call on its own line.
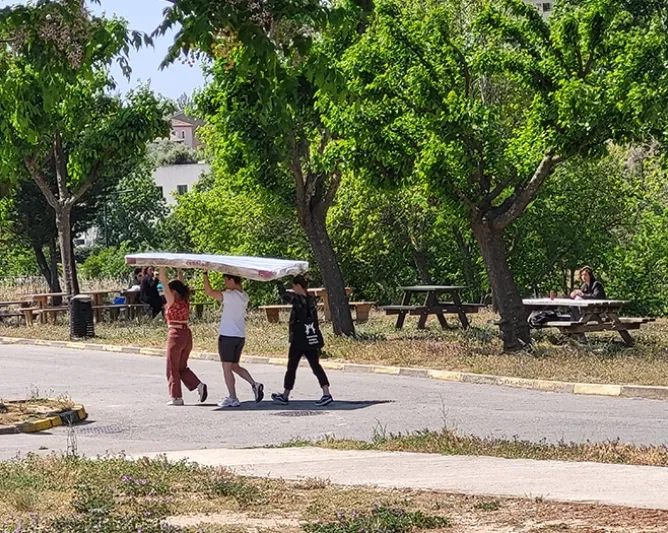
point(149, 293)
point(305, 339)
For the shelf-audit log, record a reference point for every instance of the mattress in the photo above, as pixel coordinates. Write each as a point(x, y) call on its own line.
point(255, 268)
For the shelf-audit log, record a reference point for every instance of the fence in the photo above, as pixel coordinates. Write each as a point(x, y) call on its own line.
point(13, 287)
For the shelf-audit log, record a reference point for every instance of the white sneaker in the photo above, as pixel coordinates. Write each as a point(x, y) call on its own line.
point(175, 401)
point(229, 402)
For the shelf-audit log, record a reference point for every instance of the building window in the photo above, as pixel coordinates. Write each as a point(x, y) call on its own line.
point(183, 134)
point(547, 6)
point(181, 189)
point(162, 193)
point(79, 242)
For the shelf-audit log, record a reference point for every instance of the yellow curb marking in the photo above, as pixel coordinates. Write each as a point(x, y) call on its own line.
point(446, 375)
point(597, 389)
point(394, 370)
point(331, 365)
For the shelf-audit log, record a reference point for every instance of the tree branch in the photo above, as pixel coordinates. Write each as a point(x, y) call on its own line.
point(86, 186)
point(514, 206)
point(41, 183)
point(334, 185)
point(61, 167)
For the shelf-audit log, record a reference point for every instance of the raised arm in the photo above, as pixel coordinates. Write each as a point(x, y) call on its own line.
point(162, 277)
point(283, 294)
point(216, 295)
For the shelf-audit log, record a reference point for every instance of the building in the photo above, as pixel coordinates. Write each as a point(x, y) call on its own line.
point(174, 180)
point(184, 130)
point(544, 8)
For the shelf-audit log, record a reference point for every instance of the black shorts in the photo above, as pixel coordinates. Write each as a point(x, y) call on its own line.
point(230, 348)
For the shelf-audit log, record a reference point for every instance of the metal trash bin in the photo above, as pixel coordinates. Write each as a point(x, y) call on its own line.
point(81, 317)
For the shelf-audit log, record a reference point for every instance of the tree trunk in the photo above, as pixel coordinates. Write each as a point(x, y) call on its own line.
point(514, 325)
point(420, 260)
point(467, 265)
point(63, 216)
point(332, 278)
point(75, 272)
point(55, 278)
point(43, 265)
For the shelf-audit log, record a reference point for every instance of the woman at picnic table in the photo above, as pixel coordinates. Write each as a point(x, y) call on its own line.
point(149, 293)
point(179, 339)
point(305, 340)
point(591, 287)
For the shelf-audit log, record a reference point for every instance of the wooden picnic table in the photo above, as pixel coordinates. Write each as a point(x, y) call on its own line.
point(42, 301)
point(97, 298)
point(321, 294)
point(595, 315)
point(24, 309)
point(432, 305)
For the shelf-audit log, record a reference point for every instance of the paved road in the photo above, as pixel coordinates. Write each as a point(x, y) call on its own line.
point(125, 396)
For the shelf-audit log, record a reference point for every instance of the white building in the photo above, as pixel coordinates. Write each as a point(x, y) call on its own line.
point(177, 179)
point(544, 8)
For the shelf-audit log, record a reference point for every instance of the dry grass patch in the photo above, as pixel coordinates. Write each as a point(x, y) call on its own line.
point(449, 442)
point(604, 360)
point(17, 411)
point(113, 495)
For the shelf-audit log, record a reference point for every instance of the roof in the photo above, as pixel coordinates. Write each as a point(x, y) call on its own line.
point(182, 117)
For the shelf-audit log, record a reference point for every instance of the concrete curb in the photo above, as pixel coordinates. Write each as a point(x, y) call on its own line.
point(72, 416)
point(594, 389)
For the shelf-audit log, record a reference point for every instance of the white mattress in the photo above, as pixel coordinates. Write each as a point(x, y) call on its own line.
point(256, 268)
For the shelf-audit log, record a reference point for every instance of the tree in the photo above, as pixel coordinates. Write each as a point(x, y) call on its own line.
point(263, 127)
point(165, 152)
point(134, 212)
point(485, 100)
point(55, 106)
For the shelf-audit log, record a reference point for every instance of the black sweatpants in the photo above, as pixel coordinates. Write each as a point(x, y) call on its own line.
point(313, 358)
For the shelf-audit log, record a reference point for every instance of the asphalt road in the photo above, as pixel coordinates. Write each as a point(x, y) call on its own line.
point(125, 396)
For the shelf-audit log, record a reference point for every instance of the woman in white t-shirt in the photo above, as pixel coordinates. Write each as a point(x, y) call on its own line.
point(232, 337)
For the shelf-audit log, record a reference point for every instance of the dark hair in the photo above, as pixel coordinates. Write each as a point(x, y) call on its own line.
point(591, 273)
point(236, 279)
point(138, 270)
point(144, 270)
point(180, 288)
point(302, 280)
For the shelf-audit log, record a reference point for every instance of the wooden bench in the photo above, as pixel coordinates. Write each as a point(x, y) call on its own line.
point(362, 310)
point(53, 312)
point(28, 313)
point(114, 311)
point(417, 310)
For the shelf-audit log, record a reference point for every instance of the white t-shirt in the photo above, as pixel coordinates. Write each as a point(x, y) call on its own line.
point(233, 320)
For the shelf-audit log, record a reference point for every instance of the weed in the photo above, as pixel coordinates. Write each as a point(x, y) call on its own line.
point(491, 505)
point(378, 520)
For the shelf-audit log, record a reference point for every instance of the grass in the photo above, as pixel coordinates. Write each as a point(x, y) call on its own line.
point(449, 442)
point(17, 411)
point(58, 494)
point(604, 360)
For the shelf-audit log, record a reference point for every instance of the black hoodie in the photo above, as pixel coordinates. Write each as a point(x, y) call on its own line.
point(304, 329)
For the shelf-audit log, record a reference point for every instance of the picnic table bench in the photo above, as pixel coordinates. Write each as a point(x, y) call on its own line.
point(362, 310)
point(18, 308)
point(594, 315)
point(432, 305)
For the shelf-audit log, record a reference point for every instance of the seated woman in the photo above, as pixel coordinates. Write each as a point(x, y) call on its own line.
point(591, 287)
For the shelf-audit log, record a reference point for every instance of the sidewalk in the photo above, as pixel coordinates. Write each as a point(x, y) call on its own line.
point(632, 486)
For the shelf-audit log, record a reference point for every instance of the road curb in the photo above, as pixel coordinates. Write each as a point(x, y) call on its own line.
point(647, 392)
point(70, 417)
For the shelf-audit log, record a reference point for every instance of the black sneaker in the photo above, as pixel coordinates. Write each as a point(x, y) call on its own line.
point(279, 398)
point(203, 392)
point(325, 400)
point(258, 390)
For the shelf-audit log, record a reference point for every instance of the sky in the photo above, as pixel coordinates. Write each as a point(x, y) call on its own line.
point(146, 15)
